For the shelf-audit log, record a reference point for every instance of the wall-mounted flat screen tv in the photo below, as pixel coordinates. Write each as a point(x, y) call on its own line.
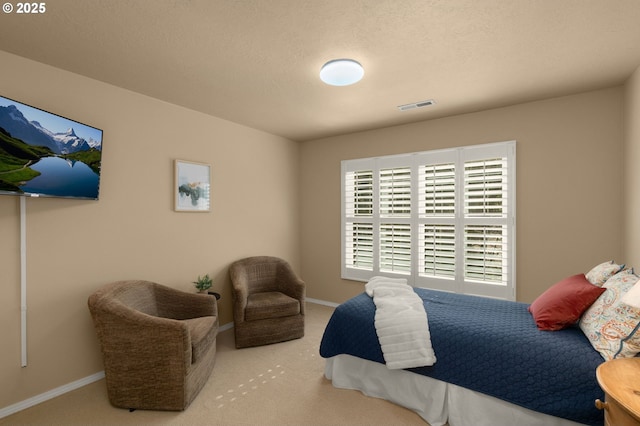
point(45, 155)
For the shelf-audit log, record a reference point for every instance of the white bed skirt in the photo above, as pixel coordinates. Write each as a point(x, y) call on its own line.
point(435, 401)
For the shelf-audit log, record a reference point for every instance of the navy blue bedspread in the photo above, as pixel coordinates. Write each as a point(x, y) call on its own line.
point(489, 346)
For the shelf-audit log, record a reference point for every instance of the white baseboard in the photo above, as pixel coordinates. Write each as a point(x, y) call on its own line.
point(7, 411)
point(226, 326)
point(322, 302)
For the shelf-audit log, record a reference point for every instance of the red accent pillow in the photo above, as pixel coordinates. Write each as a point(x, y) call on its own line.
point(564, 302)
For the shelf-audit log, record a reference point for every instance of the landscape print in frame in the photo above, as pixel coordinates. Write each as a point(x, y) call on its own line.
point(192, 188)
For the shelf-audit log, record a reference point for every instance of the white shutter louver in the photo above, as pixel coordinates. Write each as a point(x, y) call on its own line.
point(395, 248)
point(359, 248)
point(485, 188)
point(395, 192)
point(359, 193)
point(485, 254)
point(437, 190)
point(437, 248)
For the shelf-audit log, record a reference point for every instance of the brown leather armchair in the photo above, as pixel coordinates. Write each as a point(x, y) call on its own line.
point(158, 343)
point(268, 301)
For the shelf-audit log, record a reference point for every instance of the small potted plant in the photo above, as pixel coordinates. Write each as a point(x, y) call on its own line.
point(203, 283)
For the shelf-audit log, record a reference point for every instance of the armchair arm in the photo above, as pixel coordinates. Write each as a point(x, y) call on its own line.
point(239, 291)
point(177, 304)
point(134, 343)
point(290, 284)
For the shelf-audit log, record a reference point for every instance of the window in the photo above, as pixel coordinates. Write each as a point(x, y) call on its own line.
point(442, 219)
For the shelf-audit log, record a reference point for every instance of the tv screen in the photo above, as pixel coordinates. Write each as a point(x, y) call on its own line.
point(44, 154)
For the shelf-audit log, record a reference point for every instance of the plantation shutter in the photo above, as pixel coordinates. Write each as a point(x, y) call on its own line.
point(442, 219)
point(436, 244)
point(358, 207)
point(485, 197)
point(488, 219)
point(395, 215)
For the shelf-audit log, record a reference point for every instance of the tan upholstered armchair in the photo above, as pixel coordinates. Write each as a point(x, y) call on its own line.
point(158, 343)
point(268, 301)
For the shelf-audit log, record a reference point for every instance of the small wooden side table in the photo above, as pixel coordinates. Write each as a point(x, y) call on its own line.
point(620, 381)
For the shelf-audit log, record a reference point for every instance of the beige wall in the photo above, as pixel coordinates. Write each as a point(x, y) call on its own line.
point(632, 170)
point(132, 231)
point(569, 179)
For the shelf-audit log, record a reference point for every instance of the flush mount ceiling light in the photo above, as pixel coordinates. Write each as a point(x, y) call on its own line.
point(341, 72)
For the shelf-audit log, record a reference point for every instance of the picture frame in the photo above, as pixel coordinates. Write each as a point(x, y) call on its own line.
point(192, 187)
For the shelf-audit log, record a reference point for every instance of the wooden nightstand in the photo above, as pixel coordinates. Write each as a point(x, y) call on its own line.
point(620, 381)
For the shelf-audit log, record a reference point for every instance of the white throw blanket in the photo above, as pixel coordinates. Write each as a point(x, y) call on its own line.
point(401, 323)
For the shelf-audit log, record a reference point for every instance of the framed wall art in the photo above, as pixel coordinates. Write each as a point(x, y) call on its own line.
point(192, 187)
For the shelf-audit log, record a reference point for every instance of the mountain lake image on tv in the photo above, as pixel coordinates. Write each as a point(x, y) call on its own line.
point(44, 154)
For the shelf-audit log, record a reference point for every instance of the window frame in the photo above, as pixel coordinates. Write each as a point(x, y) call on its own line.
point(458, 156)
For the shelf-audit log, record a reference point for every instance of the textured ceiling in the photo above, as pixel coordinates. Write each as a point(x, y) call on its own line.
point(256, 62)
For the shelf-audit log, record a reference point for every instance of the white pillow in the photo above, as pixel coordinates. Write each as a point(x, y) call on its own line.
point(632, 297)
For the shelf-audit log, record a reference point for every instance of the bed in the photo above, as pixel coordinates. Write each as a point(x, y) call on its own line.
point(494, 366)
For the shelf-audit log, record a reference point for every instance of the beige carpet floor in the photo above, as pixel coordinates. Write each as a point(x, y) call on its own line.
point(281, 384)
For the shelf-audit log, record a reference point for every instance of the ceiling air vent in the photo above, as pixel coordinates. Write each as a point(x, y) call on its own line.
point(415, 105)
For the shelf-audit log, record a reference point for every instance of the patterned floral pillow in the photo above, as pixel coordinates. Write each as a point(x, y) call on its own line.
point(601, 273)
point(612, 326)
